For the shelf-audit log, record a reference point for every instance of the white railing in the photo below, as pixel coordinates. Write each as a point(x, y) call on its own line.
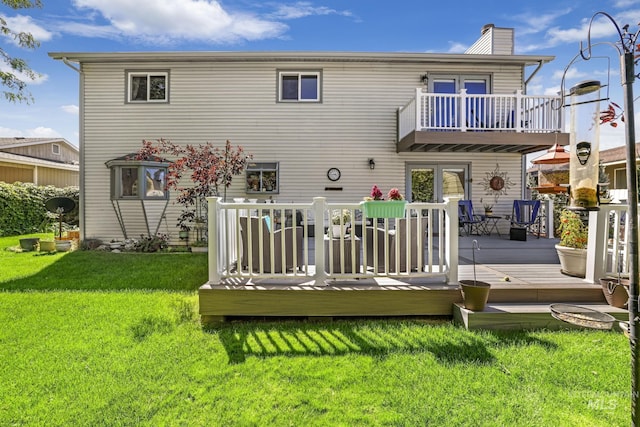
point(297, 241)
point(488, 112)
point(607, 249)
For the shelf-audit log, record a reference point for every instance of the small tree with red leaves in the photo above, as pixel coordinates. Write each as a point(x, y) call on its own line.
point(208, 167)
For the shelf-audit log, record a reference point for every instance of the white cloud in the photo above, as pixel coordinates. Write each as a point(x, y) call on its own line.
point(21, 23)
point(71, 109)
point(165, 21)
point(455, 47)
point(303, 9)
point(38, 132)
point(40, 78)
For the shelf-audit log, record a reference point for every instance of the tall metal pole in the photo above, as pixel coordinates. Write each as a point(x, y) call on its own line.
point(628, 75)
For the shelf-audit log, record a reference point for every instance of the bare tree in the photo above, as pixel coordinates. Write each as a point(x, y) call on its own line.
point(14, 71)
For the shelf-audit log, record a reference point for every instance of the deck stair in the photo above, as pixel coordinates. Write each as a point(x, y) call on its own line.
point(524, 316)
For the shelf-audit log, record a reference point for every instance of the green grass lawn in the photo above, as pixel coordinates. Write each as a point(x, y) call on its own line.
point(90, 338)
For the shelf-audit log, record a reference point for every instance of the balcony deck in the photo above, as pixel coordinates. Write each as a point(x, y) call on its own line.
point(517, 123)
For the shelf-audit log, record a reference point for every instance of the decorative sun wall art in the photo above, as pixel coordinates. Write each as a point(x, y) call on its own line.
point(496, 183)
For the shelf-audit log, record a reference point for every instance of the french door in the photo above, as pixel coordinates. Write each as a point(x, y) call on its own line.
point(433, 182)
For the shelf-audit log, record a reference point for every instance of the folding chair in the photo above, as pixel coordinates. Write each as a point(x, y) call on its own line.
point(468, 221)
point(525, 214)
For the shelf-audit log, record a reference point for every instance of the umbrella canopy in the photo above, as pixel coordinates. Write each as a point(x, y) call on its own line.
point(554, 155)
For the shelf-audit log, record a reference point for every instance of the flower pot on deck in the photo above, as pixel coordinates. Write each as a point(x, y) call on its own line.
point(474, 294)
point(385, 208)
point(573, 262)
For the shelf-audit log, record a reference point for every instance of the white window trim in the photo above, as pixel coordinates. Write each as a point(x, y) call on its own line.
point(299, 74)
point(147, 74)
point(55, 149)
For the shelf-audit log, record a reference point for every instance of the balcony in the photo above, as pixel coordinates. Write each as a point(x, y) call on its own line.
point(436, 122)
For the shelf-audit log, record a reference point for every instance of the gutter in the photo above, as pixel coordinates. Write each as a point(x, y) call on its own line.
point(540, 64)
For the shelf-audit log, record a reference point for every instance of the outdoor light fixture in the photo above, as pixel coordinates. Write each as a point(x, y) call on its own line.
point(424, 79)
point(372, 164)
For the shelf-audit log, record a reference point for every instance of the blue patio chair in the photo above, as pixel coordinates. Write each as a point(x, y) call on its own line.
point(526, 214)
point(468, 221)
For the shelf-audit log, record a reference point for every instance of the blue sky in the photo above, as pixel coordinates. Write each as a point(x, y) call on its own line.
point(542, 27)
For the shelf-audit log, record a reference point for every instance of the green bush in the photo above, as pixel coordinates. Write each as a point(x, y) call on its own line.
point(22, 209)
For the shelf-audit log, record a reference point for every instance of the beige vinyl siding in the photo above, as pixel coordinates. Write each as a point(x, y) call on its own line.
point(45, 151)
point(216, 101)
point(11, 172)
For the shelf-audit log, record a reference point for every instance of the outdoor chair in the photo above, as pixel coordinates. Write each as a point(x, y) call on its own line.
point(375, 251)
point(468, 220)
point(526, 214)
point(283, 236)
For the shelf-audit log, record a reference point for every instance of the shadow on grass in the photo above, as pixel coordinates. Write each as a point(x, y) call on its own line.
point(106, 271)
point(446, 343)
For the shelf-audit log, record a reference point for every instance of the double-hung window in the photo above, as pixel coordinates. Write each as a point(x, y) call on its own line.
point(145, 86)
point(295, 86)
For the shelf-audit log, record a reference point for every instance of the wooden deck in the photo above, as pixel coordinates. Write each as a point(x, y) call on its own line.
point(534, 284)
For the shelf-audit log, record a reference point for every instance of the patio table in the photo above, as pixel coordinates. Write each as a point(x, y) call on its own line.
point(491, 224)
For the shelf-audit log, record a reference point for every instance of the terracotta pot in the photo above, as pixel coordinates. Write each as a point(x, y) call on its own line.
point(615, 291)
point(474, 294)
point(573, 262)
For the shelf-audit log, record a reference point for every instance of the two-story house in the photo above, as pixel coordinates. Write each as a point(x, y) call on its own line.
point(327, 124)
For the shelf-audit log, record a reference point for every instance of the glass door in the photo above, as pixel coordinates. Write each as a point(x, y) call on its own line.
point(433, 182)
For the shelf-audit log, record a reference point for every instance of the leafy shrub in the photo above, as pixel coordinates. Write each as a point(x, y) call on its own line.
point(22, 209)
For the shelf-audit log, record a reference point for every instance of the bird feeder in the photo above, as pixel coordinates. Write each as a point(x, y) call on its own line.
point(584, 137)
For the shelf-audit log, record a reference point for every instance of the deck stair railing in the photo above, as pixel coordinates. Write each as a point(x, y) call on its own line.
point(297, 241)
point(607, 249)
point(486, 112)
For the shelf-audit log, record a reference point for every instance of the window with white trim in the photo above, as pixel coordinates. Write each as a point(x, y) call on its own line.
point(296, 86)
point(262, 177)
point(55, 149)
point(147, 86)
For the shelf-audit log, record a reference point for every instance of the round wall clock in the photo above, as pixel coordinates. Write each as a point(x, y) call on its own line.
point(333, 174)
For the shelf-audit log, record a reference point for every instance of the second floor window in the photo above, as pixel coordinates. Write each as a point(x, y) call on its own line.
point(299, 86)
point(148, 87)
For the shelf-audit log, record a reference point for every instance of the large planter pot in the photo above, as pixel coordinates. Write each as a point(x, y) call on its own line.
point(616, 291)
point(573, 262)
point(385, 208)
point(63, 245)
point(29, 244)
point(474, 294)
point(338, 230)
point(47, 246)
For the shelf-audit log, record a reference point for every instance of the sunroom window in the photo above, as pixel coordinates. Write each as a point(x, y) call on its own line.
point(262, 178)
point(299, 86)
point(148, 86)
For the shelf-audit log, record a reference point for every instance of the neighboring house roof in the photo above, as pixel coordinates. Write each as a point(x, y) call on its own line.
point(32, 161)
point(617, 155)
point(15, 142)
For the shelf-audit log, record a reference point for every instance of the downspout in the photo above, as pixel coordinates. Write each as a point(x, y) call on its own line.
point(526, 82)
point(81, 186)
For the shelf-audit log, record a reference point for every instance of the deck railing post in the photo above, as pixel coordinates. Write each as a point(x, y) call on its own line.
point(213, 206)
point(319, 207)
point(462, 108)
point(451, 231)
point(597, 245)
point(520, 116)
point(419, 110)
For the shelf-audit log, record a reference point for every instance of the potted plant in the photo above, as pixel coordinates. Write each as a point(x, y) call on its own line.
point(376, 207)
point(571, 249)
point(488, 208)
point(475, 293)
point(340, 218)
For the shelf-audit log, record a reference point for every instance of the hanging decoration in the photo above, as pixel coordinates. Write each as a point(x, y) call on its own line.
point(496, 183)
